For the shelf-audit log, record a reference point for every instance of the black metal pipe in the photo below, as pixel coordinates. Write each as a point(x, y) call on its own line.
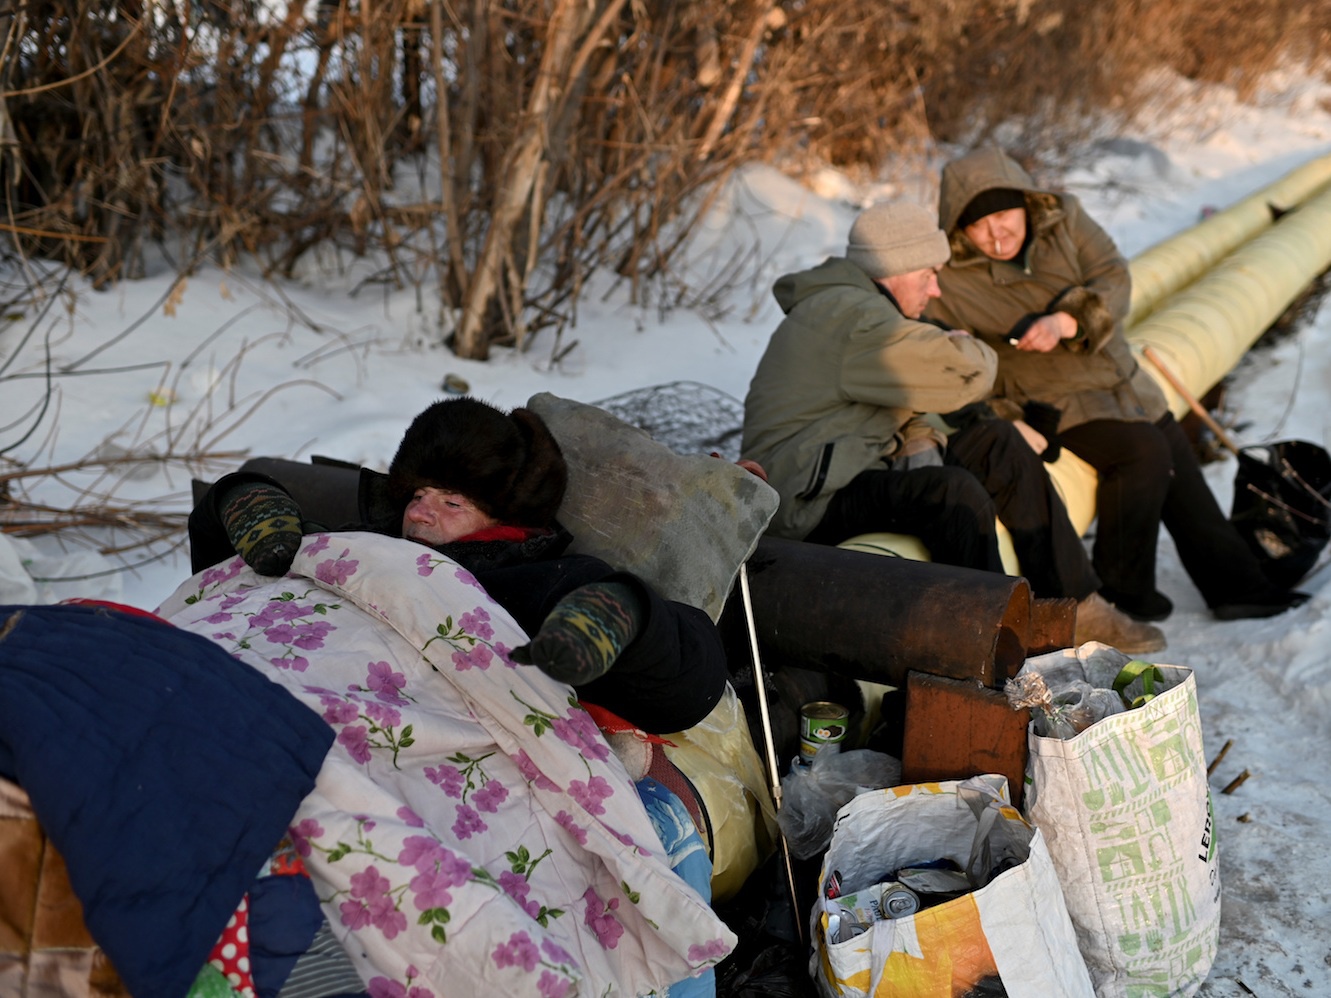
point(873, 617)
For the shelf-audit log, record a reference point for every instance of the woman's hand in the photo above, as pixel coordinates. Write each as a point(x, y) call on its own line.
point(1047, 332)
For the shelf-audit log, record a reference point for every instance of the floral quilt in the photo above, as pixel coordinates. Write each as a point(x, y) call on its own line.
point(470, 832)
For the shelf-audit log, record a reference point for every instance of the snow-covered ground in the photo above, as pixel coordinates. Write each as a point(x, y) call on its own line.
point(226, 363)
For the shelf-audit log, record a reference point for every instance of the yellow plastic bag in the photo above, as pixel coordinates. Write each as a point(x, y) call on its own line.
point(718, 756)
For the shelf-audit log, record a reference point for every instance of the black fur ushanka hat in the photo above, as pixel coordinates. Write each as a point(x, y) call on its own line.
point(509, 464)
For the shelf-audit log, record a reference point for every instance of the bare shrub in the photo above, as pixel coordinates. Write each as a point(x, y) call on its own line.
point(1236, 43)
point(561, 138)
point(496, 155)
point(856, 83)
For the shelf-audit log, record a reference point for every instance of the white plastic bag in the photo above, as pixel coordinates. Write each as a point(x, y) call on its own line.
point(1125, 808)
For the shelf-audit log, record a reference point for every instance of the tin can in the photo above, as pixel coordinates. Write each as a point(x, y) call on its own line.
point(822, 728)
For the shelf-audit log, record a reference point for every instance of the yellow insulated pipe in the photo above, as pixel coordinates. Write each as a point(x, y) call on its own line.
point(1205, 329)
point(1171, 264)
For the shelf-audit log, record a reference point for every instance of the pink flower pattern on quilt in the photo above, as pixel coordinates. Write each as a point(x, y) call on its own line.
point(467, 810)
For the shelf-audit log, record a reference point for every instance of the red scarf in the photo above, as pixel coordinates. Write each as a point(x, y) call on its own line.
point(501, 532)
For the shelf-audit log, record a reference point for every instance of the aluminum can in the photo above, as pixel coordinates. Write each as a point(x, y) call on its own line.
point(897, 901)
point(823, 727)
point(856, 912)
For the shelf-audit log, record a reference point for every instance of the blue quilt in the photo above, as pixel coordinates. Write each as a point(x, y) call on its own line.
point(163, 769)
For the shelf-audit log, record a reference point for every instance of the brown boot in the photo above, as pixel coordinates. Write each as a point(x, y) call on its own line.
point(1099, 620)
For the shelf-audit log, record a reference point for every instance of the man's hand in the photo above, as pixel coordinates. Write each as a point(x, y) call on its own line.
point(1031, 435)
point(585, 633)
point(1043, 418)
point(1047, 332)
point(753, 468)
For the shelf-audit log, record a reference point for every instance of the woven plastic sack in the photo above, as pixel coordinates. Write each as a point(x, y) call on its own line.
point(1011, 936)
point(1125, 808)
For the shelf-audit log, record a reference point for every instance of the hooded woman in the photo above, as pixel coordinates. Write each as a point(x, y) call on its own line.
point(483, 487)
point(1038, 280)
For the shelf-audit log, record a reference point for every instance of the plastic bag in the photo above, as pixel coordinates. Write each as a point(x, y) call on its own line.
point(1061, 707)
point(1282, 506)
point(811, 795)
point(718, 755)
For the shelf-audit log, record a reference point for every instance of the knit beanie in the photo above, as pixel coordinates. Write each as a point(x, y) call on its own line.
point(508, 464)
point(988, 202)
point(896, 237)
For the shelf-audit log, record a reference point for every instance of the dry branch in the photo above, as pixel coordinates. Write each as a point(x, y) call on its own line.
point(1224, 750)
point(83, 498)
point(1235, 783)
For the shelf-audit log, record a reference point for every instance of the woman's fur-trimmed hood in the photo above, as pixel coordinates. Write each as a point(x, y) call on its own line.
point(988, 168)
point(982, 170)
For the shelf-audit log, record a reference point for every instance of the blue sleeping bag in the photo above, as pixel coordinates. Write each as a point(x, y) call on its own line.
point(162, 769)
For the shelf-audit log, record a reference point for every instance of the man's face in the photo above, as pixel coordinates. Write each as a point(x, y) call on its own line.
point(1000, 235)
point(913, 290)
point(437, 517)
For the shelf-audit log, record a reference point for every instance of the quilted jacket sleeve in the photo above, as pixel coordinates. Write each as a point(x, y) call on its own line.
point(1103, 268)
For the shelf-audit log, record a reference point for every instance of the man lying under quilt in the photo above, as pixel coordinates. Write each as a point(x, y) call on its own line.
point(352, 751)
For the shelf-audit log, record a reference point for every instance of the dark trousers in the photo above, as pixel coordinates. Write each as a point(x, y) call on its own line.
point(990, 472)
point(1051, 552)
point(1148, 475)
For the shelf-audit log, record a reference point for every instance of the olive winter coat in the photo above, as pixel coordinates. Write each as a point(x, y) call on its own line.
point(840, 382)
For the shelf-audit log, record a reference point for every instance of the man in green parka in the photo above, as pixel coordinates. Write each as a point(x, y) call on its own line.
point(836, 414)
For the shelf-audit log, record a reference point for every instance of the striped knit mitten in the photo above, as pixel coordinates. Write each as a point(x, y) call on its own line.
point(263, 524)
point(585, 632)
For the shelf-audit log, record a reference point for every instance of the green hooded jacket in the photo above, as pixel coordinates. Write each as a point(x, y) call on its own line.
point(1070, 265)
point(840, 384)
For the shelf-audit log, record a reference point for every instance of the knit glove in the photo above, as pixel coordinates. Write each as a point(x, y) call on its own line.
point(584, 633)
point(968, 415)
point(262, 522)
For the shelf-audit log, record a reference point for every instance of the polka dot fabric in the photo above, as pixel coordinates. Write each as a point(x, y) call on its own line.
point(231, 955)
